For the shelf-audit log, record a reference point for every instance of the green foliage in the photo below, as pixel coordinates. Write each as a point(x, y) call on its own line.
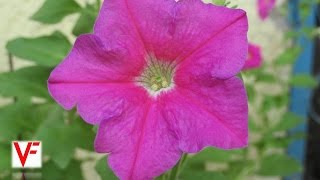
point(16, 120)
point(45, 50)
point(288, 57)
point(51, 171)
point(219, 2)
point(5, 153)
point(213, 155)
point(25, 82)
point(278, 165)
point(288, 121)
point(61, 136)
point(86, 20)
point(27, 118)
point(303, 80)
point(53, 11)
point(104, 171)
point(206, 175)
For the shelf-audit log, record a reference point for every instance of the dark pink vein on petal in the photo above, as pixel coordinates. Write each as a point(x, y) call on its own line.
point(209, 39)
point(140, 140)
point(215, 116)
point(135, 25)
point(90, 83)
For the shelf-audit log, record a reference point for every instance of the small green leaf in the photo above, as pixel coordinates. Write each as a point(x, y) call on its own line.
point(270, 102)
point(288, 57)
point(45, 50)
point(266, 77)
point(282, 142)
point(278, 165)
point(214, 155)
point(288, 121)
point(219, 2)
point(303, 80)
point(86, 20)
point(104, 171)
point(53, 11)
point(25, 82)
point(202, 175)
point(50, 171)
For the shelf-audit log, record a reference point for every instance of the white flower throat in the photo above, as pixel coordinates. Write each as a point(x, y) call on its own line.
point(157, 75)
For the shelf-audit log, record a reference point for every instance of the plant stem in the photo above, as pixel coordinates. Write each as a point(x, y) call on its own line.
point(174, 173)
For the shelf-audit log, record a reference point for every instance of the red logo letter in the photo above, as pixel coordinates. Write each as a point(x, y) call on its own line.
point(23, 158)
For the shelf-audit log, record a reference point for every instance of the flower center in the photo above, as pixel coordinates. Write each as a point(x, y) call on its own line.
point(157, 75)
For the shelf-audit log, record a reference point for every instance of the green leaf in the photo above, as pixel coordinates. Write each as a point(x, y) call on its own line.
point(86, 20)
point(204, 175)
point(60, 137)
point(240, 169)
point(16, 121)
point(50, 171)
point(104, 171)
point(282, 142)
point(53, 11)
point(278, 165)
point(288, 57)
point(5, 154)
point(25, 82)
point(214, 155)
point(270, 102)
point(288, 121)
point(45, 50)
point(303, 80)
point(219, 2)
point(266, 77)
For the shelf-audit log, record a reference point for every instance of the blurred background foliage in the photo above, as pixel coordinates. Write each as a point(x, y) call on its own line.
point(32, 114)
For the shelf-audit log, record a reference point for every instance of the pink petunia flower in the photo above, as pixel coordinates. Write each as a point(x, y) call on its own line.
point(265, 7)
point(159, 78)
point(254, 59)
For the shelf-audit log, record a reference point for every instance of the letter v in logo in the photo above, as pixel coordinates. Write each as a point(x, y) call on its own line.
point(23, 158)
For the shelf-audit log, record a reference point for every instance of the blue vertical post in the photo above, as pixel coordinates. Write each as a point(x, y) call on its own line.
point(300, 97)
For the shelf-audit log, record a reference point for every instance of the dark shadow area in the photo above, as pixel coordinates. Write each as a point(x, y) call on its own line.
point(312, 163)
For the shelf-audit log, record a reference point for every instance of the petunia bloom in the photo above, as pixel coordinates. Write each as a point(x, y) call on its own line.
point(265, 7)
point(254, 58)
point(159, 78)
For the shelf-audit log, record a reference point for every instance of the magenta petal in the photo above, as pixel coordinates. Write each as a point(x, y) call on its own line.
point(140, 142)
point(96, 77)
point(189, 29)
point(265, 7)
point(209, 113)
point(115, 24)
point(254, 59)
point(221, 40)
